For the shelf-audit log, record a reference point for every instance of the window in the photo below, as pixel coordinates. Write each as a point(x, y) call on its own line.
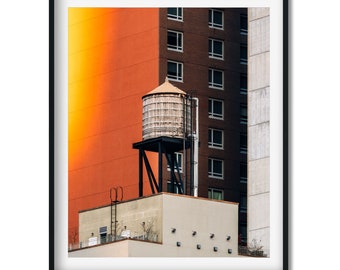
point(175, 14)
point(243, 233)
point(175, 40)
point(216, 78)
point(243, 114)
point(215, 138)
point(243, 172)
point(215, 168)
point(179, 159)
point(216, 194)
point(216, 48)
point(175, 71)
point(173, 189)
point(244, 24)
point(216, 18)
point(243, 143)
point(243, 54)
point(215, 108)
point(243, 203)
point(103, 234)
point(243, 84)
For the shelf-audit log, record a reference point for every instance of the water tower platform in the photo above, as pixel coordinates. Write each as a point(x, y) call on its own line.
point(161, 145)
point(170, 144)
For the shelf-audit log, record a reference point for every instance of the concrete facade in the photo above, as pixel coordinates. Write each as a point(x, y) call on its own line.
point(259, 127)
point(158, 216)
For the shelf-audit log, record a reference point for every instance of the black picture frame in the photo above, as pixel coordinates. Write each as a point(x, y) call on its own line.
point(52, 140)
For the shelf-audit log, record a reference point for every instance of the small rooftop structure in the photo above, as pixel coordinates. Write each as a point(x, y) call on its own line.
point(161, 225)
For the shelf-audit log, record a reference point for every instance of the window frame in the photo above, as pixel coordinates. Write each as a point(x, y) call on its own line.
point(103, 234)
point(243, 91)
point(168, 188)
point(211, 173)
point(211, 22)
point(176, 78)
point(211, 47)
point(243, 118)
point(211, 192)
point(243, 150)
point(211, 143)
point(178, 47)
point(175, 17)
point(213, 84)
point(243, 203)
point(243, 31)
point(243, 179)
point(213, 114)
point(243, 61)
point(180, 164)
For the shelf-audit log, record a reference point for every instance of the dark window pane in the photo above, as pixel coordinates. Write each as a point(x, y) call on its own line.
point(218, 137)
point(243, 170)
point(218, 77)
point(243, 81)
point(172, 69)
point(172, 11)
point(210, 109)
point(243, 54)
point(218, 17)
point(217, 166)
point(218, 108)
point(243, 140)
point(218, 48)
point(244, 24)
point(172, 38)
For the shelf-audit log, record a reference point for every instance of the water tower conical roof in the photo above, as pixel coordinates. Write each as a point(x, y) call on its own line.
point(166, 87)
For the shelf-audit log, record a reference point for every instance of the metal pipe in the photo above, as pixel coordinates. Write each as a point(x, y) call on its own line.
point(196, 142)
point(184, 140)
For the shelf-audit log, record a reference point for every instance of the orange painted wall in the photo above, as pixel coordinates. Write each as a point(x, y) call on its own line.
point(113, 62)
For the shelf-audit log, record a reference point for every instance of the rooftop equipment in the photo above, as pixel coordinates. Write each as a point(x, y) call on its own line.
point(166, 129)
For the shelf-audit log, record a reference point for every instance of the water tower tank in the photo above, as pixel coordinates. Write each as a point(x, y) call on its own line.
point(166, 112)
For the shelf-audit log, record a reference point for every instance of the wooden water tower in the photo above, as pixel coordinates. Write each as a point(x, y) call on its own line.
point(166, 130)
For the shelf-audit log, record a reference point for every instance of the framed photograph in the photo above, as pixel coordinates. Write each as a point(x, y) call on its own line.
point(169, 135)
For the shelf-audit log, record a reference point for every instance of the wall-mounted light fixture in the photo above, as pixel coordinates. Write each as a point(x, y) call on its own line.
point(178, 244)
point(228, 237)
point(198, 246)
point(230, 251)
point(212, 235)
point(215, 249)
point(194, 233)
point(173, 230)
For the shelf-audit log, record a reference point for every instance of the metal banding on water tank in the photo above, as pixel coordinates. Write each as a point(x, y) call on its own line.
point(166, 112)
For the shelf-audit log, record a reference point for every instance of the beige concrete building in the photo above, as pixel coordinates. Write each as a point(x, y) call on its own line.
point(161, 225)
point(259, 127)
